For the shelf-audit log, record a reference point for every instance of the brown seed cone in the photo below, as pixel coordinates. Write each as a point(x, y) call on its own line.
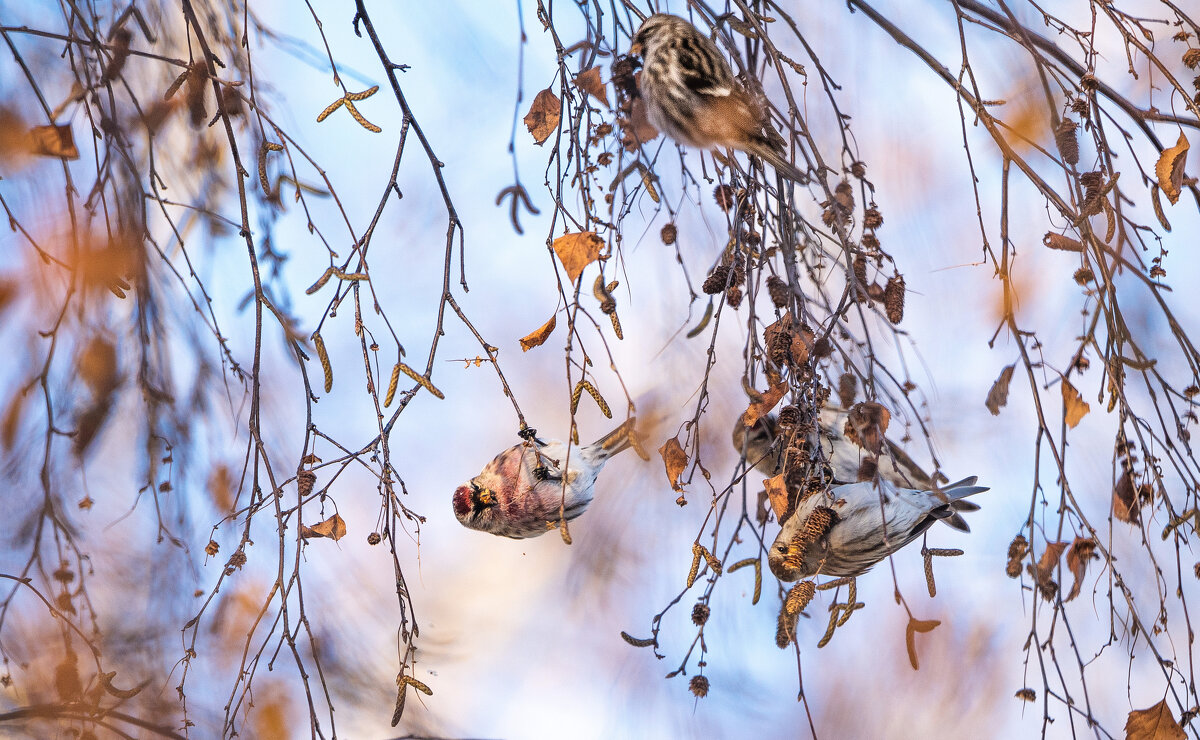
point(1068, 144)
point(893, 299)
point(669, 232)
point(779, 290)
point(847, 389)
point(715, 282)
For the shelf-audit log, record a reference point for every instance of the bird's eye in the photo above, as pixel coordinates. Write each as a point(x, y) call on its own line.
point(781, 548)
point(474, 486)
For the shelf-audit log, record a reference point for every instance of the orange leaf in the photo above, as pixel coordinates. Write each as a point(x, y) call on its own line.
point(543, 116)
point(589, 81)
point(1074, 407)
point(1083, 550)
point(1155, 723)
point(334, 528)
point(58, 141)
point(762, 403)
point(577, 251)
point(538, 336)
point(675, 460)
point(777, 495)
point(1169, 169)
point(914, 626)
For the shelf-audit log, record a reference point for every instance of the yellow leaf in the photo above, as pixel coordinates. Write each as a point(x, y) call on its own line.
point(589, 81)
point(1155, 723)
point(538, 336)
point(675, 460)
point(1169, 169)
point(543, 116)
point(577, 251)
point(1074, 407)
point(334, 528)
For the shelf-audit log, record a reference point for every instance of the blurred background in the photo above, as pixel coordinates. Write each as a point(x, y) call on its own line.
point(521, 639)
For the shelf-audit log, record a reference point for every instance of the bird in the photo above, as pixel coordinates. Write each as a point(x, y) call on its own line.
point(845, 457)
point(849, 528)
point(526, 489)
point(691, 94)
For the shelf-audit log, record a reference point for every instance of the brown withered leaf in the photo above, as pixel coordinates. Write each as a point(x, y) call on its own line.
point(778, 496)
point(58, 141)
point(866, 424)
point(538, 336)
point(12, 419)
point(543, 116)
point(220, 487)
point(914, 626)
point(1125, 499)
point(1074, 407)
point(1061, 242)
point(334, 528)
point(578, 250)
point(1169, 169)
point(589, 81)
point(1044, 572)
point(762, 403)
point(1154, 723)
point(675, 460)
point(997, 397)
point(1083, 550)
point(638, 129)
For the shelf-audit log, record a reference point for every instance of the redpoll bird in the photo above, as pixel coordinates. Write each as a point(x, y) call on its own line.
point(520, 493)
point(849, 528)
point(692, 96)
point(845, 457)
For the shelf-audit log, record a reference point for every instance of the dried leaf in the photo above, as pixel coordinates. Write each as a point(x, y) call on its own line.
point(1125, 501)
point(1169, 169)
point(12, 420)
point(589, 81)
point(914, 626)
point(58, 141)
point(1083, 550)
point(576, 251)
point(675, 460)
point(543, 116)
point(537, 337)
point(334, 528)
point(1074, 407)
point(777, 495)
point(1062, 243)
point(762, 403)
point(997, 397)
point(1155, 723)
point(866, 424)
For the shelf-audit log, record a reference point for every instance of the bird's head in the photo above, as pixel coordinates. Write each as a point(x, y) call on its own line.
point(471, 500)
point(653, 30)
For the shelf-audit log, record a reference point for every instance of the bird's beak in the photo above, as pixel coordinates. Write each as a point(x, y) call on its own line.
point(486, 498)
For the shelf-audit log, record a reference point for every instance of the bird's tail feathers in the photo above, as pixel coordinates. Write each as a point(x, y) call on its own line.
point(770, 152)
point(619, 440)
point(962, 489)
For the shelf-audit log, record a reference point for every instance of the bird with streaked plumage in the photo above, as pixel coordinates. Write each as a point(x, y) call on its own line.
point(530, 487)
point(692, 96)
point(844, 456)
point(849, 528)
